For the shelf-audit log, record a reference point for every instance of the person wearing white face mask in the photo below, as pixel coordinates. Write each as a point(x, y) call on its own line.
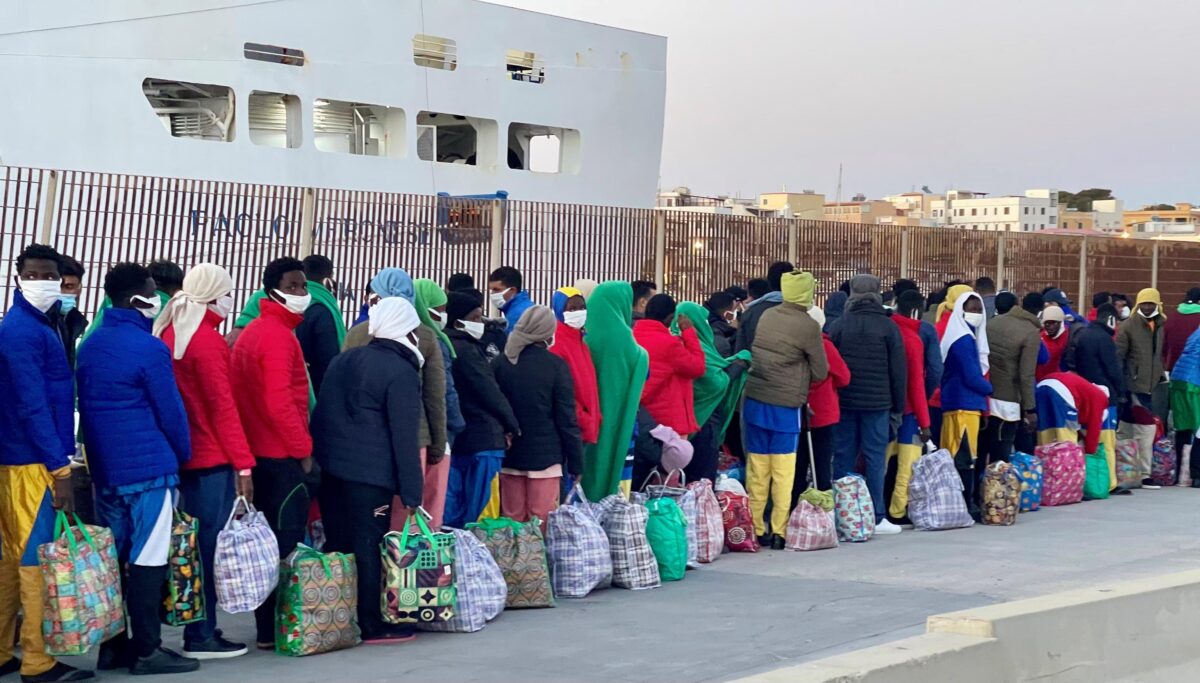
point(571, 310)
point(474, 479)
point(135, 430)
point(506, 295)
point(965, 388)
point(273, 402)
point(36, 419)
point(365, 439)
point(221, 461)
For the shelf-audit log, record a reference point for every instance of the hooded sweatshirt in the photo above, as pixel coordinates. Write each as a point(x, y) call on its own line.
point(569, 346)
point(788, 349)
point(917, 404)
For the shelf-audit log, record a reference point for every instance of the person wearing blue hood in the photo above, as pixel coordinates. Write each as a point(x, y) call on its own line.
point(748, 323)
point(507, 296)
point(136, 432)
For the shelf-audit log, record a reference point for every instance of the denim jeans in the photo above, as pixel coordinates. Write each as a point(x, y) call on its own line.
point(866, 432)
point(208, 496)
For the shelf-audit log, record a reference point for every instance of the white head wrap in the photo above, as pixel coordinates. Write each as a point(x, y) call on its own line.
point(394, 318)
point(818, 315)
point(958, 328)
point(186, 310)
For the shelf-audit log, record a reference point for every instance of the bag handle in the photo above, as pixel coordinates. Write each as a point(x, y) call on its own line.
point(682, 478)
point(422, 528)
point(576, 494)
point(653, 473)
point(304, 551)
point(62, 525)
point(239, 502)
point(812, 458)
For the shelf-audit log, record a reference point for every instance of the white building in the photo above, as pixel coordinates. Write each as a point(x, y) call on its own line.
point(1108, 215)
point(1036, 210)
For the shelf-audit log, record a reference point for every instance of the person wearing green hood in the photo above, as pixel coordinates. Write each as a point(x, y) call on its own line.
point(715, 395)
point(789, 356)
point(621, 368)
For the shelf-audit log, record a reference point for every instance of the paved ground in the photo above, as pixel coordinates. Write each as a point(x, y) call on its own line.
point(746, 613)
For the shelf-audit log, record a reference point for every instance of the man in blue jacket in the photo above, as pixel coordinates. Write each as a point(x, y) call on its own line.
point(136, 433)
point(37, 424)
point(506, 295)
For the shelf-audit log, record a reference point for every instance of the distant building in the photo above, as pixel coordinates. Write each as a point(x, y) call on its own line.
point(866, 211)
point(1035, 211)
point(1183, 219)
point(1106, 216)
point(682, 199)
point(806, 204)
point(915, 205)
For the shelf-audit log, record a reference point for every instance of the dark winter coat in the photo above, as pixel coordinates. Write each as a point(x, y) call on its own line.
point(319, 342)
point(540, 390)
point(365, 425)
point(1095, 359)
point(873, 349)
point(487, 412)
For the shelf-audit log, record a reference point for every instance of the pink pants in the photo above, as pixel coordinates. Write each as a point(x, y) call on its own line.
point(522, 497)
point(434, 498)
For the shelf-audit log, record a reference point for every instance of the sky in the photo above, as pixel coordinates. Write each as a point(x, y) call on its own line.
point(987, 95)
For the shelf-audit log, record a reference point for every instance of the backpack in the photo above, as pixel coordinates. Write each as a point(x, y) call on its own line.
point(935, 494)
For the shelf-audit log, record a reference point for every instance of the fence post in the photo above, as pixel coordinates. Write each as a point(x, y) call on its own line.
point(51, 191)
point(1001, 247)
point(794, 240)
point(1154, 266)
point(496, 252)
point(660, 249)
point(904, 252)
point(308, 221)
point(1083, 263)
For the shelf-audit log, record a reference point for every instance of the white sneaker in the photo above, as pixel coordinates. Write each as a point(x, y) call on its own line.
point(886, 528)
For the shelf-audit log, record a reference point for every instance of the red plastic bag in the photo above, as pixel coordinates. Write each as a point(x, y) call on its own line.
point(739, 524)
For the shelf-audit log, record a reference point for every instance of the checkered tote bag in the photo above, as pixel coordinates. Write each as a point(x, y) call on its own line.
point(580, 558)
point(810, 528)
point(246, 562)
point(935, 494)
point(634, 565)
point(480, 587)
point(685, 498)
point(710, 530)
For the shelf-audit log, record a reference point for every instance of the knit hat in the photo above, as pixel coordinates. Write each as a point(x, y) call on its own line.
point(798, 288)
point(458, 305)
point(863, 285)
point(1056, 296)
point(1053, 313)
point(1149, 296)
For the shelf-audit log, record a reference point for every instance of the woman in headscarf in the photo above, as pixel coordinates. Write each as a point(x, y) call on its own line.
point(474, 483)
point(621, 368)
point(571, 311)
point(965, 388)
point(538, 386)
point(221, 460)
point(715, 394)
point(396, 283)
point(586, 286)
point(365, 439)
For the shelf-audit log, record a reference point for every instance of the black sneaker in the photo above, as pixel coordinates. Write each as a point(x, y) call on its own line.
point(778, 542)
point(59, 672)
point(1149, 484)
point(214, 648)
point(115, 653)
point(163, 661)
point(12, 666)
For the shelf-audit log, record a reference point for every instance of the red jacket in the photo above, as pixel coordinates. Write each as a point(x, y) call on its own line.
point(1176, 331)
point(917, 404)
point(1090, 402)
point(202, 376)
point(569, 346)
point(272, 384)
point(675, 362)
point(822, 396)
point(1056, 347)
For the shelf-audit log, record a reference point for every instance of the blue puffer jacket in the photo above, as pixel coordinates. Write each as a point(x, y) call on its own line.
point(963, 385)
point(514, 309)
point(37, 413)
point(134, 424)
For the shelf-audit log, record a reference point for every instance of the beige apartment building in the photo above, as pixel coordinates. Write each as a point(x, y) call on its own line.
point(807, 204)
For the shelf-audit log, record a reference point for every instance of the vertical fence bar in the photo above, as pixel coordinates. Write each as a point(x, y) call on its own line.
point(1154, 266)
point(660, 249)
point(307, 222)
point(1000, 246)
point(1083, 274)
point(496, 253)
point(904, 252)
point(51, 196)
point(793, 240)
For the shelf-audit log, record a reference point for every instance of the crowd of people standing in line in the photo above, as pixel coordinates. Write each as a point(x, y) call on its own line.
point(425, 403)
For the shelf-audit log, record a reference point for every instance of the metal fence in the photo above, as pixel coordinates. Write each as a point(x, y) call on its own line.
point(102, 219)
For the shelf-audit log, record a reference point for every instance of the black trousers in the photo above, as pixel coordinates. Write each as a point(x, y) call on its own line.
point(1182, 438)
point(281, 495)
point(706, 450)
point(348, 510)
point(143, 591)
point(822, 442)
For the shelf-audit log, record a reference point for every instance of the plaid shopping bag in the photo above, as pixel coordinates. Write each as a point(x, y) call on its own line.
point(479, 588)
point(634, 566)
point(810, 528)
point(317, 607)
point(418, 575)
point(184, 599)
point(83, 604)
point(935, 494)
point(710, 531)
point(577, 548)
point(246, 562)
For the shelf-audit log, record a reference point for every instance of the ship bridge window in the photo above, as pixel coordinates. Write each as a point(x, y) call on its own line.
point(273, 53)
point(526, 66)
point(200, 111)
point(275, 119)
point(456, 139)
point(357, 128)
point(435, 52)
point(543, 149)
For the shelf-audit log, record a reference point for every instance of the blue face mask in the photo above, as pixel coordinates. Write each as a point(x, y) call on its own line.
point(66, 303)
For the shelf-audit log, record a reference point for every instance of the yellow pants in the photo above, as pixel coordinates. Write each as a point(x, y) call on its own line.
point(24, 490)
point(908, 455)
point(955, 425)
point(1108, 439)
point(770, 476)
point(492, 509)
point(1056, 434)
